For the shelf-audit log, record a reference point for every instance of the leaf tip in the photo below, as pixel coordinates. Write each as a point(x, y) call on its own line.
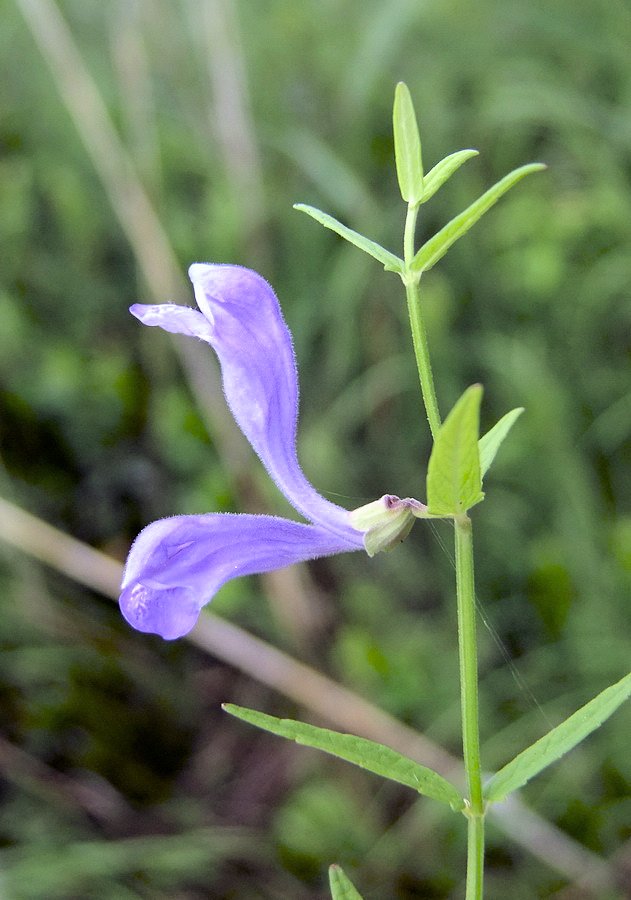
point(475, 391)
point(530, 168)
point(407, 146)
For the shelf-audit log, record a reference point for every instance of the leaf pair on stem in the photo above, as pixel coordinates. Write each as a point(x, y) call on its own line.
point(416, 189)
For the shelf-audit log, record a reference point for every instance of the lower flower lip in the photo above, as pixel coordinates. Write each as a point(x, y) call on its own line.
point(155, 609)
point(177, 565)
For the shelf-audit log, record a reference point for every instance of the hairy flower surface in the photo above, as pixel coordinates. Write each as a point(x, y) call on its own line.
point(176, 565)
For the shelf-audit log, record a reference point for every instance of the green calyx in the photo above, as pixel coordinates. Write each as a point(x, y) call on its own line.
point(387, 521)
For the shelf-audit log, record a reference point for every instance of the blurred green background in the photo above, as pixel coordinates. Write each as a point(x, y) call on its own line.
point(120, 775)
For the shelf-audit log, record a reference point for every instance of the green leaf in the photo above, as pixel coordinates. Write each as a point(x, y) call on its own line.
point(407, 146)
point(443, 170)
point(390, 262)
point(341, 885)
point(373, 757)
point(555, 743)
point(436, 247)
point(492, 440)
point(454, 481)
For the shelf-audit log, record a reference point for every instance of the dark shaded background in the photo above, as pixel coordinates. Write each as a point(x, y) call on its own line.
point(121, 777)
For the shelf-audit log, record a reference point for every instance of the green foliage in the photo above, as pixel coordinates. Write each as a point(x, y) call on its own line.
point(491, 442)
point(407, 147)
point(557, 742)
point(89, 869)
point(436, 247)
point(390, 262)
point(361, 752)
point(443, 170)
point(325, 819)
point(454, 481)
point(341, 885)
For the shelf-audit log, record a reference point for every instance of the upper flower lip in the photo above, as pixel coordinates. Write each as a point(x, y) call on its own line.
point(176, 565)
point(240, 318)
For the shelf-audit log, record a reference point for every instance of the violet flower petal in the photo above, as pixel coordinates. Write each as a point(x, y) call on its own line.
point(245, 326)
point(176, 565)
point(174, 318)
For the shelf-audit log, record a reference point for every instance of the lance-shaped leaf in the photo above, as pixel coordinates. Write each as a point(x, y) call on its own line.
point(555, 743)
point(454, 482)
point(341, 886)
point(389, 261)
point(437, 246)
point(492, 440)
point(443, 170)
point(407, 146)
point(373, 757)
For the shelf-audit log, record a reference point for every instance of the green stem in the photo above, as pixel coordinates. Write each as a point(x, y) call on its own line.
point(419, 334)
point(467, 646)
point(475, 858)
point(465, 586)
point(408, 235)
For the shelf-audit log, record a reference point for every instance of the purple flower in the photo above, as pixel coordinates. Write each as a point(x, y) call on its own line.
point(176, 565)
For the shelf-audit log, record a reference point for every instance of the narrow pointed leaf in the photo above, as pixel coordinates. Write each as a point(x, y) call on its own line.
point(373, 757)
point(555, 743)
point(454, 482)
point(407, 146)
point(492, 440)
point(341, 886)
point(436, 247)
point(389, 261)
point(443, 170)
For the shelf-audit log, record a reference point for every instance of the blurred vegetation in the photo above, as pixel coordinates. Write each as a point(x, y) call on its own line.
point(120, 776)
